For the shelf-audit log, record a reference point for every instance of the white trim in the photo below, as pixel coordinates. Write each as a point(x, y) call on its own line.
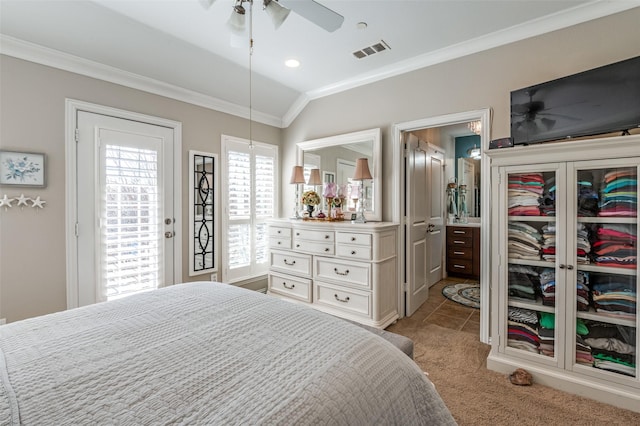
point(53, 58)
point(484, 115)
point(582, 13)
point(72, 107)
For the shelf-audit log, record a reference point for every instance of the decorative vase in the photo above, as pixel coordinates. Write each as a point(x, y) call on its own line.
point(310, 210)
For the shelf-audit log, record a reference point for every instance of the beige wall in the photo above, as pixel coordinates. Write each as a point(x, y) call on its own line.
point(32, 118)
point(482, 80)
point(32, 247)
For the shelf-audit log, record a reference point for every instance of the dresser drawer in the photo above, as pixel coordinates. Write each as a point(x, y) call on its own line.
point(352, 273)
point(298, 288)
point(455, 241)
point(279, 232)
point(460, 266)
point(459, 231)
point(306, 234)
point(315, 247)
point(347, 300)
point(295, 263)
point(279, 243)
point(354, 239)
point(345, 251)
point(460, 253)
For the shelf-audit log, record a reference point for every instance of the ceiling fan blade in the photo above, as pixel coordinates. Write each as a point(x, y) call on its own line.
point(313, 11)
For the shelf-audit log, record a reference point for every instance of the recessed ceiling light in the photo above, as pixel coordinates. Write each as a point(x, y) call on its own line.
point(292, 63)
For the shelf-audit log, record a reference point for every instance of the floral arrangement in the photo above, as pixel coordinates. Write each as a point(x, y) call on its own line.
point(310, 198)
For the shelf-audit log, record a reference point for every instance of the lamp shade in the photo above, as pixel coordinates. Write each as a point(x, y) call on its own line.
point(314, 177)
point(207, 3)
point(276, 12)
point(362, 170)
point(236, 22)
point(297, 175)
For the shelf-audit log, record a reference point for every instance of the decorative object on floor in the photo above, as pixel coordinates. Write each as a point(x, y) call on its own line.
point(521, 377)
point(467, 294)
point(22, 168)
point(361, 174)
point(297, 177)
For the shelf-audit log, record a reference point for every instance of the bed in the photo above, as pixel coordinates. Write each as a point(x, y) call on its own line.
point(207, 353)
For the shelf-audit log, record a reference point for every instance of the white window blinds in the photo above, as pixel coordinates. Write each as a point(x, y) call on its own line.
point(250, 178)
point(131, 222)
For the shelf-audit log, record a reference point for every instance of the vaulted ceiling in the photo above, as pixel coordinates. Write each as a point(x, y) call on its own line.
point(182, 50)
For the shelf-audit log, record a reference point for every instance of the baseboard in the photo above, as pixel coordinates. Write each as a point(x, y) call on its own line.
point(617, 395)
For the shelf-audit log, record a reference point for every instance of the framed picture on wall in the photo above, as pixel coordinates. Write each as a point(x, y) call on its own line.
point(22, 169)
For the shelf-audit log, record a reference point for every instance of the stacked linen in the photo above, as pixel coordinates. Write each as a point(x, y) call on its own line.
point(525, 241)
point(619, 193)
point(616, 245)
point(615, 295)
point(525, 191)
point(549, 242)
point(524, 282)
point(522, 329)
point(548, 199)
point(612, 347)
point(546, 332)
point(583, 350)
point(583, 246)
point(587, 197)
point(548, 286)
point(582, 291)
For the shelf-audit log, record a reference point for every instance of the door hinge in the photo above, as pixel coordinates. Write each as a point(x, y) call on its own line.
point(77, 135)
point(405, 286)
point(76, 229)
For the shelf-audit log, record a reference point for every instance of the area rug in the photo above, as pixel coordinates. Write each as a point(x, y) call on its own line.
point(463, 293)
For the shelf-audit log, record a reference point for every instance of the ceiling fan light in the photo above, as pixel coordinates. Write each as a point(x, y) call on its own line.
point(475, 153)
point(276, 12)
point(206, 4)
point(237, 20)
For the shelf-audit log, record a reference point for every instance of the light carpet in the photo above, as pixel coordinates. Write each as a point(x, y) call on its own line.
point(456, 363)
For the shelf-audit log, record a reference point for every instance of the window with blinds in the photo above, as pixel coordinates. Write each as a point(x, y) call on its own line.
point(131, 222)
point(250, 178)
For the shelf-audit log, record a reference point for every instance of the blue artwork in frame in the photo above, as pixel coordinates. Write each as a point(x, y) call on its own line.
point(22, 169)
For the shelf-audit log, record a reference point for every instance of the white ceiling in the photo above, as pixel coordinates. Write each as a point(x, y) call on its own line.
point(177, 48)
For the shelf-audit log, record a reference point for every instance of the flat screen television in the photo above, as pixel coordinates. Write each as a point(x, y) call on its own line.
point(598, 101)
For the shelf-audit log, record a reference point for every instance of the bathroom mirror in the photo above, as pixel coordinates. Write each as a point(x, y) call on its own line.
point(337, 155)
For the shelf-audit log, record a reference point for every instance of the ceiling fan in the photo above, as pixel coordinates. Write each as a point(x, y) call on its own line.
point(534, 116)
point(311, 10)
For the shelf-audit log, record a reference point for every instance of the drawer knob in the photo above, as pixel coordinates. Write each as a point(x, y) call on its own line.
point(327, 249)
point(279, 232)
point(326, 237)
point(353, 252)
point(458, 242)
point(286, 262)
point(291, 287)
point(345, 300)
point(458, 232)
point(279, 242)
point(353, 238)
point(459, 266)
point(458, 252)
point(346, 272)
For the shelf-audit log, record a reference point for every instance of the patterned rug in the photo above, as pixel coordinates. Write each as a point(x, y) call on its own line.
point(463, 293)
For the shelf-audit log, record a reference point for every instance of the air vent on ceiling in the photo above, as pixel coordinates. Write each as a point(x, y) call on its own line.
point(371, 50)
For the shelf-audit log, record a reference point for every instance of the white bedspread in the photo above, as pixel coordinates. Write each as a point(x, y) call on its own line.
point(206, 353)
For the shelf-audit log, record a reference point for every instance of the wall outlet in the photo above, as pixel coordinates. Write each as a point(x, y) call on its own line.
point(214, 276)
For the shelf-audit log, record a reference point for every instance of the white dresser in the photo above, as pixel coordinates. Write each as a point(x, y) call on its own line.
point(345, 269)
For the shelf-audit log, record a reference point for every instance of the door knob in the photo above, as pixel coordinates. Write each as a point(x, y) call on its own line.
point(169, 234)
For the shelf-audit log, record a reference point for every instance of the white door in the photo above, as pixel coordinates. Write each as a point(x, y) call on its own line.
point(435, 226)
point(125, 207)
point(424, 220)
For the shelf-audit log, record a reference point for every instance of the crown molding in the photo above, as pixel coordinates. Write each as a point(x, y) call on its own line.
point(27, 51)
point(566, 18)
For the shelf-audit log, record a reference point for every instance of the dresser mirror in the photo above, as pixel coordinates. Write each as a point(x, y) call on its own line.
point(336, 157)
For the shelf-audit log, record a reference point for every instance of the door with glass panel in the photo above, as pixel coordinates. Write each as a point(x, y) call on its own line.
point(604, 221)
point(534, 256)
point(125, 207)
